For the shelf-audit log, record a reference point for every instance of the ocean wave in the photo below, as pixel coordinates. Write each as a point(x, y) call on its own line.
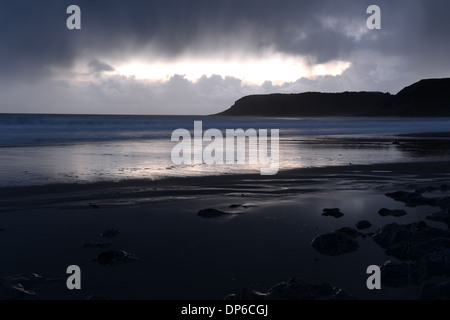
point(38, 129)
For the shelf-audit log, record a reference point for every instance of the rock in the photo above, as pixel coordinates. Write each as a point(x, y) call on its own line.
point(363, 224)
point(337, 242)
point(411, 199)
point(110, 233)
point(335, 212)
point(94, 206)
point(294, 289)
point(97, 244)
point(235, 206)
point(114, 257)
point(211, 213)
point(436, 291)
point(411, 241)
point(395, 213)
point(350, 231)
point(389, 234)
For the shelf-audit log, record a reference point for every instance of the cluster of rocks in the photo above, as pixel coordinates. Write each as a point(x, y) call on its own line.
point(424, 253)
point(294, 289)
point(415, 198)
point(411, 241)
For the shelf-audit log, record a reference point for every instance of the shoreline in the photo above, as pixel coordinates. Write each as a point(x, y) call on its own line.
point(302, 176)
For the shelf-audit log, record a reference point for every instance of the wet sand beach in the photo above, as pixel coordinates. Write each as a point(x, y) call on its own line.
point(262, 235)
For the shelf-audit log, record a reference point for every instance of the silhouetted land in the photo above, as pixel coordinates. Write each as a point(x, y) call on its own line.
point(426, 98)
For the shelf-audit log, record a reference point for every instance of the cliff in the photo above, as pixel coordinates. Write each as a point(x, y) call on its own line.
point(429, 97)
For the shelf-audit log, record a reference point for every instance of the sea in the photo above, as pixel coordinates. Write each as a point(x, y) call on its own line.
point(39, 149)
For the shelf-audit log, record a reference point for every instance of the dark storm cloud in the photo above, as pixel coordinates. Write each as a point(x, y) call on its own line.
point(34, 37)
point(412, 44)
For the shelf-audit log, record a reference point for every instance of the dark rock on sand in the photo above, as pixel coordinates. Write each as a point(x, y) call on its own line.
point(235, 205)
point(97, 244)
point(114, 257)
point(337, 242)
point(294, 289)
point(334, 212)
point(211, 213)
point(363, 224)
point(411, 241)
point(394, 213)
point(110, 233)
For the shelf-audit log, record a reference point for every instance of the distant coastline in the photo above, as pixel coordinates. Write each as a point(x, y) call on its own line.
point(426, 98)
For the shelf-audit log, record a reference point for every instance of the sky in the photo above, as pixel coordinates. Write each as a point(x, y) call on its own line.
point(200, 56)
